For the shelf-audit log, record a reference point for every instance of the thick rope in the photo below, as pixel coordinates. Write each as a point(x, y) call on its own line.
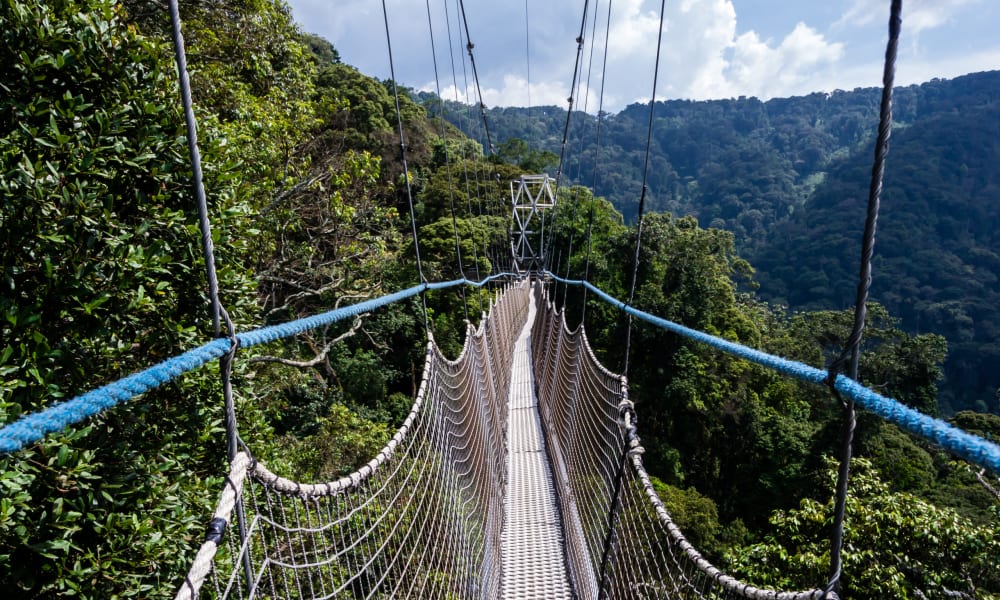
point(33, 427)
point(228, 499)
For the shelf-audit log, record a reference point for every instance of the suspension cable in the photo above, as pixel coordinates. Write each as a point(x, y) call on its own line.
point(465, 159)
point(597, 156)
point(218, 311)
point(447, 161)
point(475, 76)
point(642, 197)
point(406, 171)
point(547, 262)
point(527, 54)
point(572, 88)
point(852, 351)
point(579, 164)
point(490, 147)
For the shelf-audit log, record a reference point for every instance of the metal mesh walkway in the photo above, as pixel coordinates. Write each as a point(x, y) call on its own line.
point(532, 538)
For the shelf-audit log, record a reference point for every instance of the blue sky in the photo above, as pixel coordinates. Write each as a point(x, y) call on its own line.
point(711, 48)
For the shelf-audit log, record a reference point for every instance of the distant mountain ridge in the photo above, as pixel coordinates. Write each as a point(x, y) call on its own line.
point(789, 176)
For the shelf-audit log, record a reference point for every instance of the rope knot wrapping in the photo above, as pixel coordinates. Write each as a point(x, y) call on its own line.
point(216, 530)
point(626, 406)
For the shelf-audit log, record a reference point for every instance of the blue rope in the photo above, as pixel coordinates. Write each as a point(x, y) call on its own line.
point(970, 447)
point(33, 427)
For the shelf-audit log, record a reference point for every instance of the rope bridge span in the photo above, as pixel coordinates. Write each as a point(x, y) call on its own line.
point(517, 474)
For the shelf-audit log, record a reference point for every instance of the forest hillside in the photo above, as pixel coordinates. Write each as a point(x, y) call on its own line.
point(789, 178)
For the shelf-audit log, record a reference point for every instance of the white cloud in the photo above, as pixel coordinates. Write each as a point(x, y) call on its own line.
point(791, 67)
point(513, 92)
point(704, 57)
point(708, 49)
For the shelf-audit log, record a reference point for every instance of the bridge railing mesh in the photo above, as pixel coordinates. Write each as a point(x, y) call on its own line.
point(421, 520)
point(620, 540)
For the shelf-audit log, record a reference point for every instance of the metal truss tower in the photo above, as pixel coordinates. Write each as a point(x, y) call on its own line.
point(532, 197)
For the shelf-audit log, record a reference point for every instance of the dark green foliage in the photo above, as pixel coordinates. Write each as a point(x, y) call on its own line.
point(321, 48)
point(896, 545)
point(102, 274)
point(935, 263)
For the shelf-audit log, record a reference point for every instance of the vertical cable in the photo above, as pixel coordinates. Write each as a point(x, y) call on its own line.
point(406, 171)
point(597, 156)
point(852, 351)
point(579, 164)
point(447, 162)
point(642, 197)
point(572, 88)
point(218, 312)
point(527, 53)
point(547, 262)
point(475, 76)
point(465, 160)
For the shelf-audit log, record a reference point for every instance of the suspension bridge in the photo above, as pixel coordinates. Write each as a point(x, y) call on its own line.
point(518, 472)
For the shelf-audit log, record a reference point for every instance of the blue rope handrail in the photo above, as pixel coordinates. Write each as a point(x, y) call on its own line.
point(966, 445)
point(33, 427)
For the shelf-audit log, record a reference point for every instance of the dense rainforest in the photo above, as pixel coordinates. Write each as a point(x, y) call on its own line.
point(789, 178)
point(103, 274)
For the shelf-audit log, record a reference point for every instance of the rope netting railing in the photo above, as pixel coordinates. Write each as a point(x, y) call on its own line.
point(967, 446)
point(422, 519)
point(620, 540)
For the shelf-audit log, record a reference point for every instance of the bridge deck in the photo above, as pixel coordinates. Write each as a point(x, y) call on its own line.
point(532, 539)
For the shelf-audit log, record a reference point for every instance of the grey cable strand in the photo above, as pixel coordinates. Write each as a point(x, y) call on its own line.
point(597, 157)
point(475, 76)
point(406, 170)
point(218, 312)
point(853, 348)
point(642, 197)
point(572, 89)
point(196, 172)
point(447, 161)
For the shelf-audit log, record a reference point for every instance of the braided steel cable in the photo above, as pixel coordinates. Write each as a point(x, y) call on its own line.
point(421, 519)
point(852, 350)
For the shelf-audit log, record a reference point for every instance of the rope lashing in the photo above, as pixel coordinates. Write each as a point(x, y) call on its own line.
point(228, 500)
